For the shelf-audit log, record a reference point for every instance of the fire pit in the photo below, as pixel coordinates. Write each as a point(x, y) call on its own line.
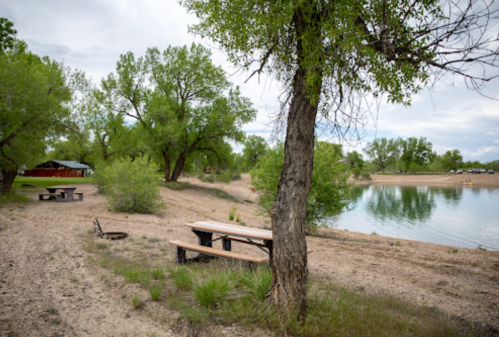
point(108, 235)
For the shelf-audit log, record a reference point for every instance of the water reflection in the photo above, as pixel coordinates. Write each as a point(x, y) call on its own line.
point(401, 203)
point(459, 216)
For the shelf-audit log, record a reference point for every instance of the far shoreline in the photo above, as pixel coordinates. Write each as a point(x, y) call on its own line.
point(477, 180)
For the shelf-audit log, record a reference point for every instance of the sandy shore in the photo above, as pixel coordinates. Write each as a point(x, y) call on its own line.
point(478, 180)
point(44, 263)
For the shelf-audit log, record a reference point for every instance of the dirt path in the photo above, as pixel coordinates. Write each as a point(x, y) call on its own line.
point(49, 285)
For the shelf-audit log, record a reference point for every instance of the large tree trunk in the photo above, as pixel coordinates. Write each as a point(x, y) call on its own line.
point(166, 159)
point(289, 261)
point(8, 180)
point(179, 166)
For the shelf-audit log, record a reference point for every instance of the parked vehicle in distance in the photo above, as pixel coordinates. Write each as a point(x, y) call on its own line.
point(459, 171)
point(477, 171)
point(490, 171)
point(470, 171)
point(451, 171)
point(483, 171)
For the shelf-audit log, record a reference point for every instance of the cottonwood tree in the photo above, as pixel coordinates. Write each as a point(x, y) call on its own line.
point(255, 147)
point(384, 151)
point(180, 98)
point(451, 159)
point(331, 54)
point(416, 152)
point(7, 34)
point(36, 96)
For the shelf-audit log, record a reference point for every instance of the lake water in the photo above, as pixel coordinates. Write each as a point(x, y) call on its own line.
point(455, 216)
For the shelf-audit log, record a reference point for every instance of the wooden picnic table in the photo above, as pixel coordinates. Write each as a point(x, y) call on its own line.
point(205, 230)
point(67, 194)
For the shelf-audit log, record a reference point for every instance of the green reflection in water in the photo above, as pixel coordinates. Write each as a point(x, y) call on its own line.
point(404, 203)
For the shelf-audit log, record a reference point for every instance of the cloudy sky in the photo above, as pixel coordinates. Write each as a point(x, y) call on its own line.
point(90, 35)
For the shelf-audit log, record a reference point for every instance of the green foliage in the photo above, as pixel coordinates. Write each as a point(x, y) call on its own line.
point(354, 160)
point(232, 212)
point(13, 197)
point(188, 106)
point(329, 191)
point(7, 34)
point(356, 172)
point(366, 176)
point(257, 282)
point(223, 178)
point(178, 186)
point(137, 302)
point(42, 182)
point(254, 148)
point(131, 186)
point(452, 159)
point(155, 290)
point(132, 275)
point(36, 96)
point(384, 152)
point(182, 277)
point(416, 153)
point(212, 290)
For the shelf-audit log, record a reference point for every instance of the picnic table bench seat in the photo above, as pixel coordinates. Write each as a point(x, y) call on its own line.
point(57, 196)
point(183, 246)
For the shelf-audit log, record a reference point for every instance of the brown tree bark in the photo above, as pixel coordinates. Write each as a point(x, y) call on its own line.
point(166, 159)
point(8, 180)
point(289, 261)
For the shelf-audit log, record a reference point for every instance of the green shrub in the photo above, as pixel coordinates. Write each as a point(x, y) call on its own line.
point(356, 172)
point(131, 186)
point(232, 212)
point(210, 178)
point(329, 189)
point(366, 175)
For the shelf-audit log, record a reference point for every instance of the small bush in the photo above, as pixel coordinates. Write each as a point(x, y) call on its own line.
point(366, 175)
point(131, 186)
point(356, 173)
point(232, 212)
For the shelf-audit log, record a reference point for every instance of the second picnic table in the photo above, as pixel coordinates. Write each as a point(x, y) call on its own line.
point(205, 230)
point(67, 194)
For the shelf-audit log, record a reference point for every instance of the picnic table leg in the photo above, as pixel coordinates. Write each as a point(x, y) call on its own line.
point(204, 239)
point(180, 255)
point(227, 244)
point(268, 244)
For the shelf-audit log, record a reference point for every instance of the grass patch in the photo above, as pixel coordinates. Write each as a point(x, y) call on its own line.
point(177, 186)
point(42, 182)
point(225, 292)
point(13, 197)
point(155, 291)
point(223, 195)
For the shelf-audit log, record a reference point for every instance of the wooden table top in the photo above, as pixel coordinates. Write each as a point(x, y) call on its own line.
point(223, 228)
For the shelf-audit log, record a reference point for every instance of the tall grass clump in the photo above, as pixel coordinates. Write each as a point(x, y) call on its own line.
point(213, 289)
point(131, 186)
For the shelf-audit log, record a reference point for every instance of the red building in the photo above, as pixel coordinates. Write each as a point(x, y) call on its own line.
point(58, 168)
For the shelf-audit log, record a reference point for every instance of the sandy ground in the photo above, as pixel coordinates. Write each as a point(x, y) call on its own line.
point(44, 264)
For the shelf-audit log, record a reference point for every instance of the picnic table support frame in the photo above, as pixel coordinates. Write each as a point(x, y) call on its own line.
point(204, 239)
